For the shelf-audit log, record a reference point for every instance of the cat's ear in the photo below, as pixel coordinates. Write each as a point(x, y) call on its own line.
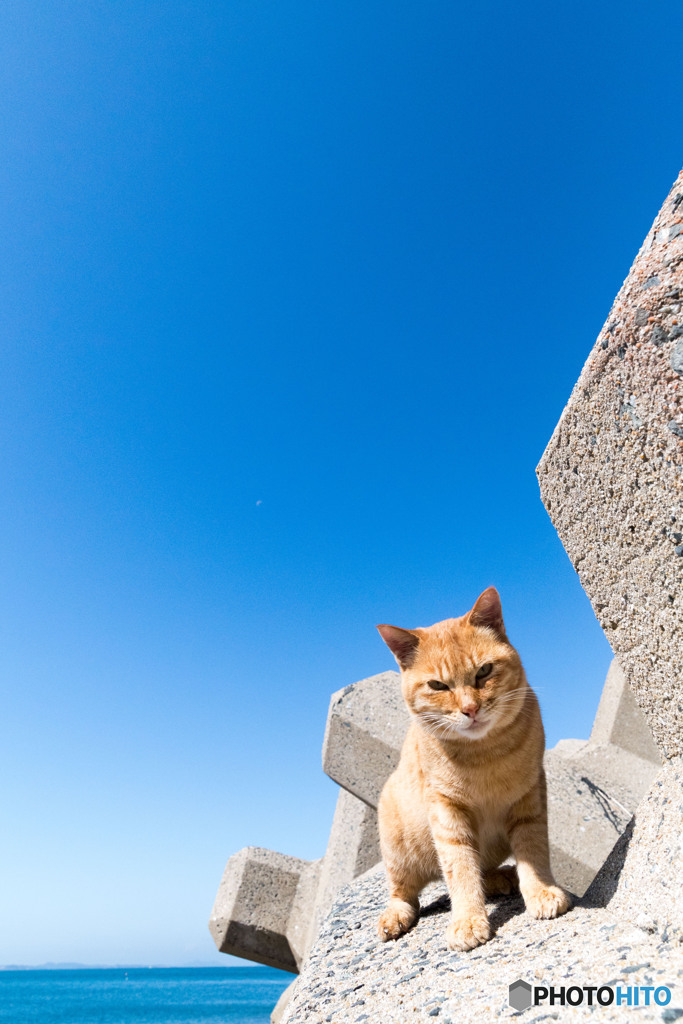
point(401, 642)
point(488, 612)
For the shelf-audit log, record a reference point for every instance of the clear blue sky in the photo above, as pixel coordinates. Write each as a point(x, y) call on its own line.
point(293, 295)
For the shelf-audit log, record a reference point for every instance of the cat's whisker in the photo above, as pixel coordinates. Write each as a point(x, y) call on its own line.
point(438, 726)
point(521, 705)
point(519, 712)
point(509, 697)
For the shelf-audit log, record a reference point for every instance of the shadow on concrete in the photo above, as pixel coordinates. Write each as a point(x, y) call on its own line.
point(501, 909)
point(604, 885)
point(505, 908)
point(441, 905)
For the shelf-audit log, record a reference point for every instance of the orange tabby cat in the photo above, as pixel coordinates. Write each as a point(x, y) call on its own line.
point(469, 789)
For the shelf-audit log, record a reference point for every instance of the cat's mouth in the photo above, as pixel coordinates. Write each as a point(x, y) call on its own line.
point(447, 728)
point(474, 727)
point(474, 723)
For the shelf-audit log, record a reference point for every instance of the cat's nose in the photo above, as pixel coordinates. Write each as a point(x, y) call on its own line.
point(469, 709)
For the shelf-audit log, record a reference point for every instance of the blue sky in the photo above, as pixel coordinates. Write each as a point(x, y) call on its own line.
point(293, 295)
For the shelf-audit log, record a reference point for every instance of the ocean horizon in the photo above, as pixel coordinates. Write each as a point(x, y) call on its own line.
point(75, 965)
point(139, 995)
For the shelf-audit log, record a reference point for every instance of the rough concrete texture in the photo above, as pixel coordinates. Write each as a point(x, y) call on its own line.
point(302, 911)
point(584, 822)
point(350, 976)
point(568, 747)
point(591, 797)
point(595, 786)
point(625, 777)
point(251, 914)
point(269, 906)
point(612, 476)
point(642, 880)
point(619, 720)
point(366, 726)
point(353, 848)
point(283, 1002)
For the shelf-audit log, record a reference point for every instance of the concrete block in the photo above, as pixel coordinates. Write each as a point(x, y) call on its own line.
point(283, 1002)
point(298, 928)
point(584, 822)
point(366, 726)
point(418, 979)
point(251, 914)
point(612, 477)
point(620, 721)
point(612, 481)
point(619, 724)
point(642, 881)
point(623, 775)
point(352, 849)
point(269, 906)
point(595, 786)
point(567, 748)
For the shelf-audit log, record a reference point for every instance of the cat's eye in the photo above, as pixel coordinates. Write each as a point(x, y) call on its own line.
point(436, 684)
point(484, 672)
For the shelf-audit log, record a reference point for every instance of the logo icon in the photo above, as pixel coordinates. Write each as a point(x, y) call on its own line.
point(520, 995)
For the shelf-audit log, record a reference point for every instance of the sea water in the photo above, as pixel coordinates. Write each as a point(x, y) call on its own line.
point(194, 995)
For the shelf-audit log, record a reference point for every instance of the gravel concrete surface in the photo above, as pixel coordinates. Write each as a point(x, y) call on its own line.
point(351, 976)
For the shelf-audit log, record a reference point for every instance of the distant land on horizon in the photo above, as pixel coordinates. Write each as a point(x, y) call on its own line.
point(49, 966)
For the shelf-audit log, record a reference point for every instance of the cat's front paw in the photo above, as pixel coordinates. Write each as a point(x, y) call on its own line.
point(397, 919)
point(468, 932)
point(550, 901)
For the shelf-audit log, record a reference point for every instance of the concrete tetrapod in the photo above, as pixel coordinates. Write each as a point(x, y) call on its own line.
point(269, 905)
point(351, 975)
point(595, 786)
point(366, 726)
point(352, 848)
point(256, 901)
point(612, 476)
point(612, 482)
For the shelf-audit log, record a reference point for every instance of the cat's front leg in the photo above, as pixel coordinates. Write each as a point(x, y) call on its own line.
point(528, 834)
point(455, 839)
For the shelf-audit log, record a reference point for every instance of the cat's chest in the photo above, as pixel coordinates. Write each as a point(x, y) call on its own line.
point(490, 789)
